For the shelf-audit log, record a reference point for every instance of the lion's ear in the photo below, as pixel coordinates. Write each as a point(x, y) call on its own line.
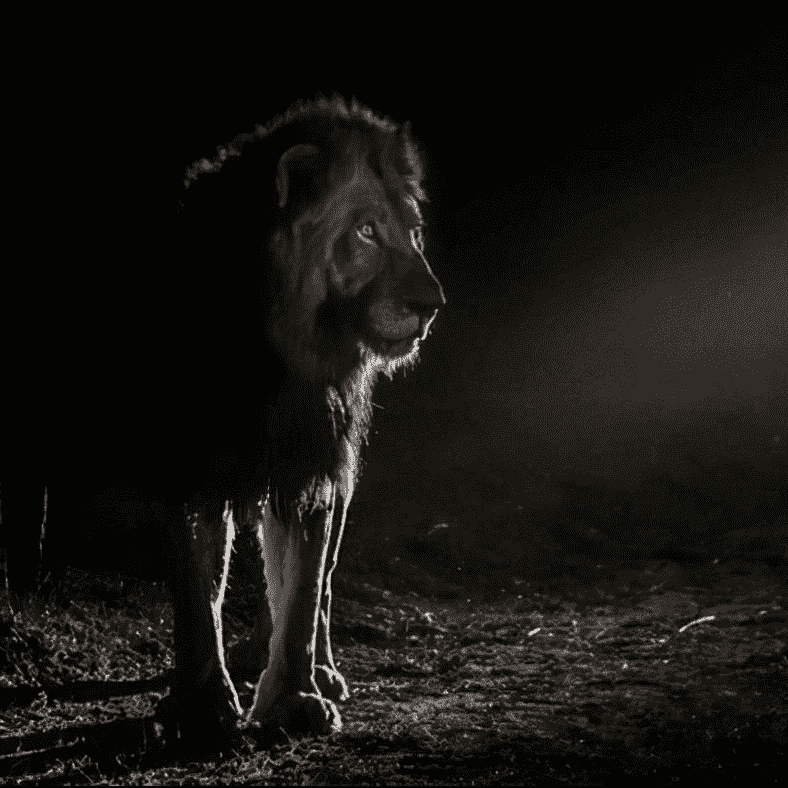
point(286, 160)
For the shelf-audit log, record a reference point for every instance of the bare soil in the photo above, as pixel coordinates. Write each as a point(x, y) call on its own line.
point(663, 673)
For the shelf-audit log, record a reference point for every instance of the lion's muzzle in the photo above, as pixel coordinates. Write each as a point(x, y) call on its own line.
point(408, 310)
point(393, 321)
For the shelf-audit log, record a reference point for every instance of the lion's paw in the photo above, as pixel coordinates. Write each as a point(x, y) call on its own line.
point(301, 712)
point(191, 720)
point(331, 683)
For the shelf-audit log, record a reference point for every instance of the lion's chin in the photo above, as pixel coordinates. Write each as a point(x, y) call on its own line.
point(397, 339)
point(405, 347)
point(392, 349)
point(409, 346)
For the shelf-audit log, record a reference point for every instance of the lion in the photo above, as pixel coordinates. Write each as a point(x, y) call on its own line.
point(320, 211)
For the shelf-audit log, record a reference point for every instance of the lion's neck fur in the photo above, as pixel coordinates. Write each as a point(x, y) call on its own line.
point(314, 432)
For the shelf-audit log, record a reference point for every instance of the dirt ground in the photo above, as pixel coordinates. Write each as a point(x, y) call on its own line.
point(663, 673)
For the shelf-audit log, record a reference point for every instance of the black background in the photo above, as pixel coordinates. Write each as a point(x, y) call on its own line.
point(92, 375)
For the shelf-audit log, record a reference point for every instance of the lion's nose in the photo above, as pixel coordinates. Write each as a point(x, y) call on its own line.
point(421, 290)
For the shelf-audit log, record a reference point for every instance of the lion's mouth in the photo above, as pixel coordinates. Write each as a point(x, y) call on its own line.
point(392, 321)
point(398, 326)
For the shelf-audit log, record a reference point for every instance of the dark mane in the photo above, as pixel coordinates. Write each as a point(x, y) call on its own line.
point(228, 207)
point(327, 123)
point(230, 223)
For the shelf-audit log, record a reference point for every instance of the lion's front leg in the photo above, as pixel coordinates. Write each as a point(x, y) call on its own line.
point(329, 680)
point(295, 554)
point(203, 696)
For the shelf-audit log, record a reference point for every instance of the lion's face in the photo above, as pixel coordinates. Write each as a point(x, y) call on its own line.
point(380, 258)
point(364, 273)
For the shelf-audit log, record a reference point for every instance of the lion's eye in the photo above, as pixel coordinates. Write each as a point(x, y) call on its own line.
point(366, 232)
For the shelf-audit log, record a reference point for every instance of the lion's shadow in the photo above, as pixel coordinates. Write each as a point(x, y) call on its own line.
point(118, 746)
